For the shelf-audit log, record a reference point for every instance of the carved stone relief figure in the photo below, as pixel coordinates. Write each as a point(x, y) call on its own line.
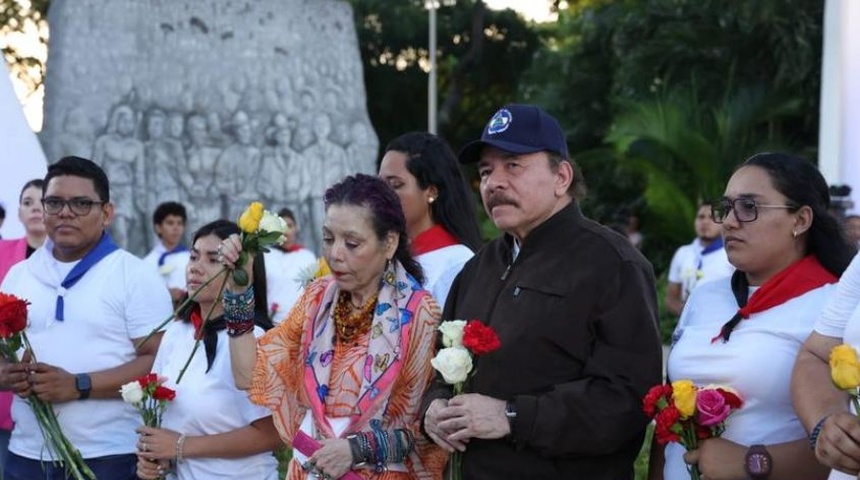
point(121, 155)
point(237, 168)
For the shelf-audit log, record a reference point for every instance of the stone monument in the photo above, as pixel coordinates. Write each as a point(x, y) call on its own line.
point(210, 103)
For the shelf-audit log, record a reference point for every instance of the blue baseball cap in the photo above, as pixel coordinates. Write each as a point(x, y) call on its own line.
point(518, 129)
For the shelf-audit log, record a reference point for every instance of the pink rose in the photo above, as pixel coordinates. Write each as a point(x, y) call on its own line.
point(711, 407)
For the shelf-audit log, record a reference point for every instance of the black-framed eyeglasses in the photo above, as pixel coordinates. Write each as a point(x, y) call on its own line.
point(746, 209)
point(78, 206)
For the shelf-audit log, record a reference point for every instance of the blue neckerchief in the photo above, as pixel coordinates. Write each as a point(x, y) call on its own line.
point(713, 247)
point(102, 249)
point(176, 249)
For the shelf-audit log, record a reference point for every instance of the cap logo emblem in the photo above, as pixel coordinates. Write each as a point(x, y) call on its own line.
point(500, 122)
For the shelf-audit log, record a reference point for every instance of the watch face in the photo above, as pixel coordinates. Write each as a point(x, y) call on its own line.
point(758, 464)
point(82, 382)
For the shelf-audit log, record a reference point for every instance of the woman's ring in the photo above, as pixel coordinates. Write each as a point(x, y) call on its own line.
point(144, 446)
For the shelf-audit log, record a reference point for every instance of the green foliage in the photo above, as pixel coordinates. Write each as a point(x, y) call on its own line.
point(660, 99)
point(481, 56)
point(15, 18)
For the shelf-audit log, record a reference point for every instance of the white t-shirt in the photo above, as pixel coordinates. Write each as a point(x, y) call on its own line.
point(441, 266)
point(208, 403)
point(173, 269)
point(756, 361)
point(283, 278)
point(118, 299)
point(690, 268)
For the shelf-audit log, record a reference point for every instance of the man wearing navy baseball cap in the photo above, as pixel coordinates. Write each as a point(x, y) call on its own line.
point(575, 308)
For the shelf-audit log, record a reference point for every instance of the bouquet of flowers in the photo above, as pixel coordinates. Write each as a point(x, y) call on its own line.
point(462, 340)
point(260, 229)
point(13, 322)
point(149, 397)
point(686, 414)
point(845, 372)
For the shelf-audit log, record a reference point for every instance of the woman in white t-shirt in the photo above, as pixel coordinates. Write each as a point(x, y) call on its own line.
point(210, 430)
point(440, 215)
point(824, 410)
point(744, 332)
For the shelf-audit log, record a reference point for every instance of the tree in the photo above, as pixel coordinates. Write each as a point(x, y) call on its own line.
point(16, 18)
point(661, 98)
point(481, 55)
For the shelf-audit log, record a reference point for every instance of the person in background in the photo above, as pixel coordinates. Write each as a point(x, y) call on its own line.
point(701, 261)
point(11, 252)
point(210, 430)
point(852, 228)
point(575, 308)
point(440, 217)
point(744, 331)
point(284, 265)
point(633, 233)
point(347, 368)
point(90, 304)
point(169, 256)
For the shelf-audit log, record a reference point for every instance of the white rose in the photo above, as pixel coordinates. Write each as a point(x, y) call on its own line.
point(454, 363)
point(273, 223)
point(132, 392)
point(452, 333)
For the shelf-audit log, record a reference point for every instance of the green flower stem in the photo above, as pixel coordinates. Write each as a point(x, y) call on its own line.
point(690, 442)
point(202, 326)
point(191, 297)
point(63, 450)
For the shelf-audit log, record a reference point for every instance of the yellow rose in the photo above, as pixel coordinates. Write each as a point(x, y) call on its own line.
point(844, 367)
point(249, 221)
point(684, 396)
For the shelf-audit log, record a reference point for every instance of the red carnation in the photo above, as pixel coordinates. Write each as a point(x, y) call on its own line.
point(479, 338)
point(13, 315)
point(147, 380)
point(651, 402)
point(163, 393)
point(664, 421)
point(732, 400)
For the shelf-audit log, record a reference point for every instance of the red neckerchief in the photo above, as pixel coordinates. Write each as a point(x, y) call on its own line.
point(292, 248)
point(793, 281)
point(433, 238)
point(197, 321)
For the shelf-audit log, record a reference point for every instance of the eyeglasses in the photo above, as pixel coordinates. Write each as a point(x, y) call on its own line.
point(746, 209)
point(78, 206)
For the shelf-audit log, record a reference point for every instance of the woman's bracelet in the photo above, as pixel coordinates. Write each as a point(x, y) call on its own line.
point(180, 442)
point(239, 307)
point(239, 312)
point(813, 435)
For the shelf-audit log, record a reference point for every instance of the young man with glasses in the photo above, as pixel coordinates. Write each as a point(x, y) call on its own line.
point(90, 304)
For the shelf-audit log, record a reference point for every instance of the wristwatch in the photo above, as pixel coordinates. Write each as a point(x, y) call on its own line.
point(758, 463)
point(511, 413)
point(84, 385)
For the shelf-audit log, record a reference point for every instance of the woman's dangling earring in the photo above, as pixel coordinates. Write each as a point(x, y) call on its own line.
point(389, 276)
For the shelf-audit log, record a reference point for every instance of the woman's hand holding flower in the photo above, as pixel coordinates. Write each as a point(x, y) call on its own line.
point(718, 459)
point(156, 443)
point(229, 251)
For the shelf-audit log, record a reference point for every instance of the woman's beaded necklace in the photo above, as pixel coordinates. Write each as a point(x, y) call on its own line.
point(351, 324)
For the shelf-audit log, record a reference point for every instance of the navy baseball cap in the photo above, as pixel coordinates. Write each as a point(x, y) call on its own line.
point(518, 129)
